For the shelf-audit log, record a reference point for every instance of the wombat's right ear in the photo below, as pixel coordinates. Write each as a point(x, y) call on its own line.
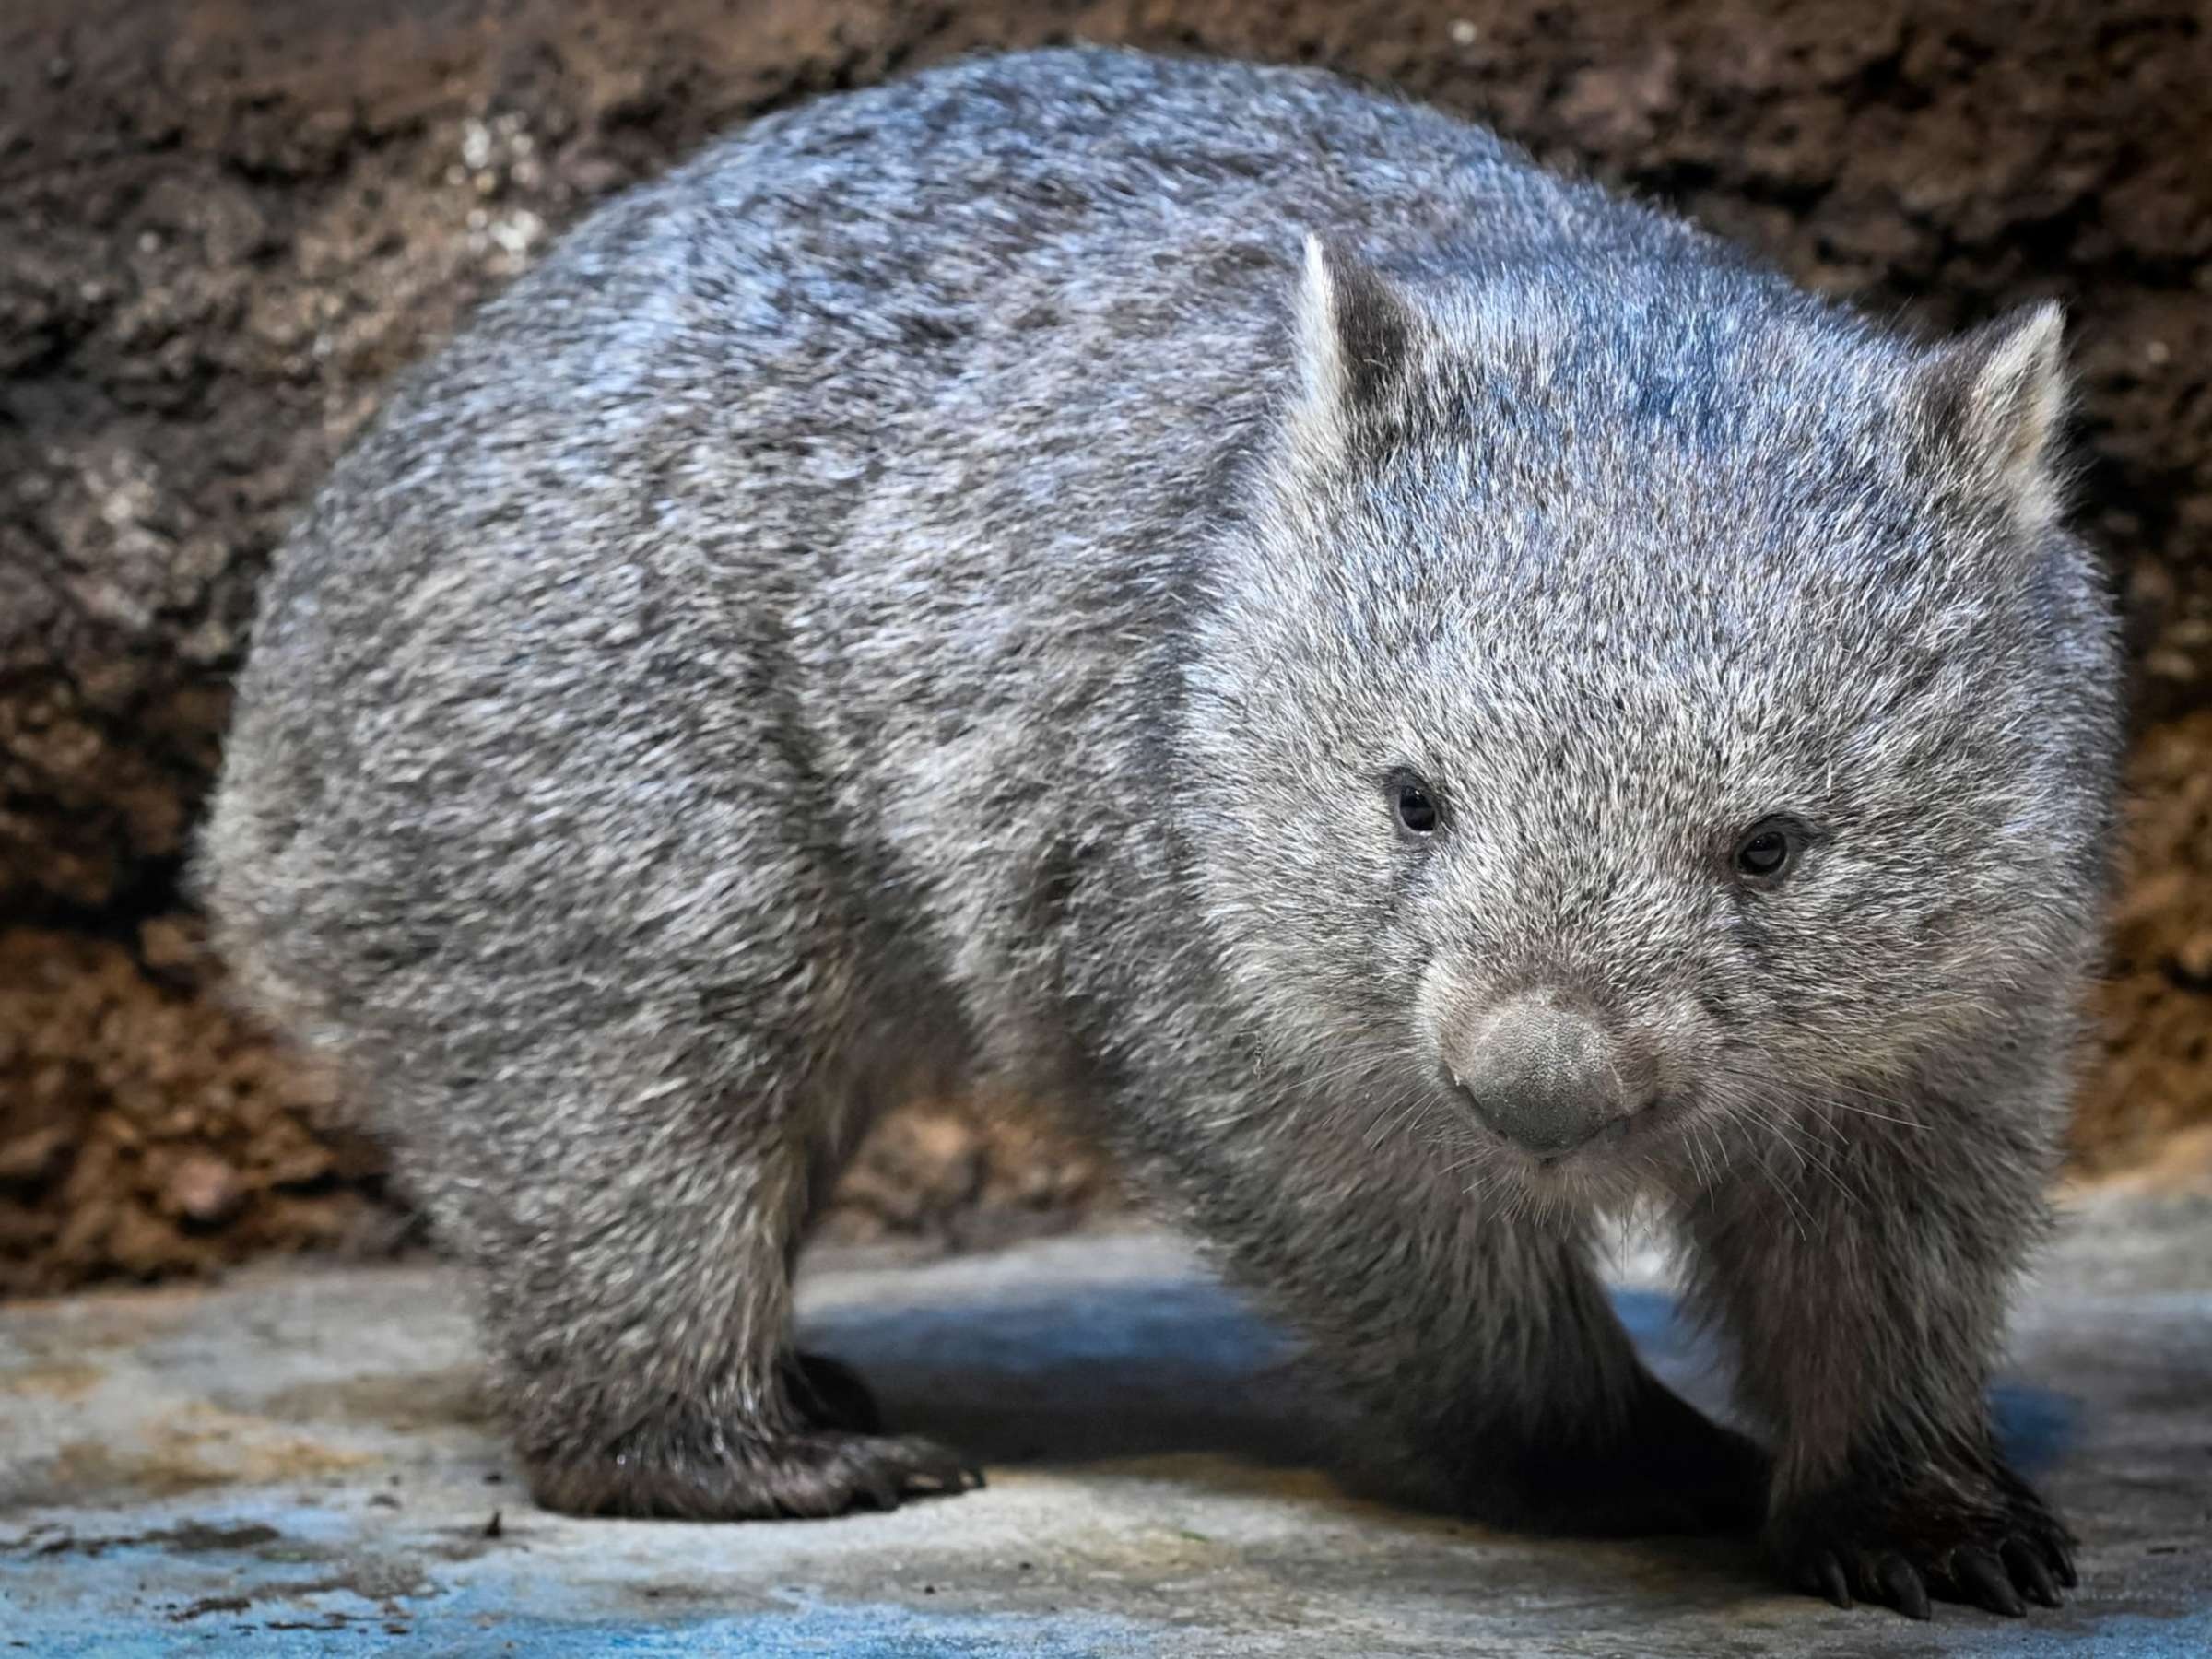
point(1354, 336)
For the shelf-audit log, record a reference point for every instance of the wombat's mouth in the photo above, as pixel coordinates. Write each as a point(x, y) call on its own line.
point(1655, 1115)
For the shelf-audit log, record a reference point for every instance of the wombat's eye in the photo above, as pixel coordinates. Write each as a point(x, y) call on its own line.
point(1768, 851)
point(1415, 807)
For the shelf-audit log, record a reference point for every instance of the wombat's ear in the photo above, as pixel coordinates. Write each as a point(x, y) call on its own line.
point(2000, 393)
point(1354, 337)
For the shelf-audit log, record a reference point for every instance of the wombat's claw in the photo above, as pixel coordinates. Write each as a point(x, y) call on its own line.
point(1986, 1581)
point(1892, 1578)
point(921, 1468)
point(879, 1471)
point(1902, 1587)
point(1824, 1576)
point(829, 1394)
point(2042, 1543)
point(2031, 1574)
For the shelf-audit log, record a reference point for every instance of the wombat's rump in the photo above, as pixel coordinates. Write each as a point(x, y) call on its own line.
point(1421, 699)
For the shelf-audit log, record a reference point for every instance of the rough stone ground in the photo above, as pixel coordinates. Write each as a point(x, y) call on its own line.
point(302, 1459)
point(223, 226)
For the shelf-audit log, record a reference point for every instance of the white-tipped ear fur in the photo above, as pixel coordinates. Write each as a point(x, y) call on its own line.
point(1353, 333)
point(1320, 366)
point(2001, 392)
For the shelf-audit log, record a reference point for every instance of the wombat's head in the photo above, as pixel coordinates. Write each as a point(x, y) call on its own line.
point(1638, 704)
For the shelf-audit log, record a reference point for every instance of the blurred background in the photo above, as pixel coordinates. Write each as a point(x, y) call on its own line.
point(225, 224)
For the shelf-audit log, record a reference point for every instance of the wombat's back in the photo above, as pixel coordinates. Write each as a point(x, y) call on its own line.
point(860, 462)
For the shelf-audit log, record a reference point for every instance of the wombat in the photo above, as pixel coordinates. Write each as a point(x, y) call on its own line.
point(1423, 701)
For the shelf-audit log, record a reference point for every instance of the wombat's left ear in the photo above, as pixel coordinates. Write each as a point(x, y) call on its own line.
point(1353, 339)
point(2000, 393)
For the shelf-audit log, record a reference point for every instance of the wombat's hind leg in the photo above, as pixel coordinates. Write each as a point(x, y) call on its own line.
point(640, 1304)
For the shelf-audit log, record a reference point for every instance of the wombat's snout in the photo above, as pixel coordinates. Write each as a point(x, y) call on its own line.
point(1543, 1073)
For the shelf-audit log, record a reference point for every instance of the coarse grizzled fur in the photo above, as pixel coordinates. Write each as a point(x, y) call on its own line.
point(1182, 588)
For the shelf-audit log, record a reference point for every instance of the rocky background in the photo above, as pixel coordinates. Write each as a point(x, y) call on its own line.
point(224, 223)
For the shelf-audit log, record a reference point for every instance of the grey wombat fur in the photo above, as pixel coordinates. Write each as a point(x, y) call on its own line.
point(1183, 589)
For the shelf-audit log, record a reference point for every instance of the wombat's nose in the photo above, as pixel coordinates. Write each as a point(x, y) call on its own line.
point(1540, 1072)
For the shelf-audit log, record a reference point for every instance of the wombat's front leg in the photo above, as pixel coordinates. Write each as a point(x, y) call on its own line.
point(1483, 1346)
point(1865, 1277)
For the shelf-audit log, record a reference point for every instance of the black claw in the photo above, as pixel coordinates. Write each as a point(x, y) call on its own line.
point(1978, 1574)
point(961, 1478)
point(1828, 1577)
point(2028, 1571)
point(2061, 1559)
point(1902, 1586)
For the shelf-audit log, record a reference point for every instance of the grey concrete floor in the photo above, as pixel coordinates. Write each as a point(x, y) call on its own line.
point(299, 1460)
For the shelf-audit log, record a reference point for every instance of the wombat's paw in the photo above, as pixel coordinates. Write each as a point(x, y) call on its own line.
point(1983, 1538)
point(1672, 1470)
point(739, 1476)
point(829, 1394)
